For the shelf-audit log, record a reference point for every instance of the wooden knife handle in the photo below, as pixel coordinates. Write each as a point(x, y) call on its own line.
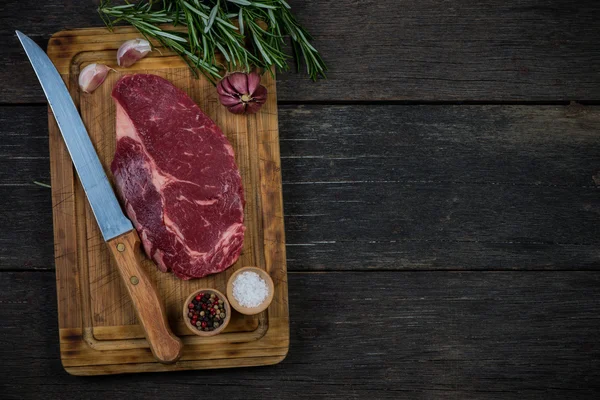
point(126, 250)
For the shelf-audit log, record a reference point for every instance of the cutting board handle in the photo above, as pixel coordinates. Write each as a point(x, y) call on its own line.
point(126, 250)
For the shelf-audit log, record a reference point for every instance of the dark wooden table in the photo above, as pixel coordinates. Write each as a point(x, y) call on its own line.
point(442, 209)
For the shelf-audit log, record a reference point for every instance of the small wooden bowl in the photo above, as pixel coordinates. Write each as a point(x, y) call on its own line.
point(250, 310)
point(186, 310)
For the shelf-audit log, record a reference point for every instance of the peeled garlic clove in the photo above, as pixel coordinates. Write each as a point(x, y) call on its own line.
point(132, 51)
point(92, 76)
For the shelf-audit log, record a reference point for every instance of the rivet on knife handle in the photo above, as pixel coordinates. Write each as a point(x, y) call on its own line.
point(126, 251)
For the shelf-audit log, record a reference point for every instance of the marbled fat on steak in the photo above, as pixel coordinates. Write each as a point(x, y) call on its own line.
point(176, 174)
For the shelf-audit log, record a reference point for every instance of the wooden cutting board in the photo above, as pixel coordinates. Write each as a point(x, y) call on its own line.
point(99, 333)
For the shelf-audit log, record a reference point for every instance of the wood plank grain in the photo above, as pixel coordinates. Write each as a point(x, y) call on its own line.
point(26, 241)
point(554, 146)
point(441, 186)
point(414, 50)
point(26, 218)
point(467, 335)
point(390, 187)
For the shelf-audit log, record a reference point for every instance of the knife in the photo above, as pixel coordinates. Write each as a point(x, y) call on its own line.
point(117, 231)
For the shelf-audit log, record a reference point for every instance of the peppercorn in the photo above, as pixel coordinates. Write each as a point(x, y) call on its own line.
point(206, 312)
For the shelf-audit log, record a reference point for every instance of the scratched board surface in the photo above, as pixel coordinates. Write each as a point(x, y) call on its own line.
point(98, 325)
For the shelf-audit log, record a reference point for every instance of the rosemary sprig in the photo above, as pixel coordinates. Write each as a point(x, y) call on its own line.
point(234, 28)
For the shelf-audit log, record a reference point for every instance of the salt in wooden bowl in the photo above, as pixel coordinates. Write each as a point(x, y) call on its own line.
point(250, 310)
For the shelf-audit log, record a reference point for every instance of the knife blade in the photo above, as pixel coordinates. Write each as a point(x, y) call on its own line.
point(116, 228)
point(102, 199)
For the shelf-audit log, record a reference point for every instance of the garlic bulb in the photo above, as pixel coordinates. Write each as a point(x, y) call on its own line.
point(92, 76)
point(132, 51)
point(242, 93)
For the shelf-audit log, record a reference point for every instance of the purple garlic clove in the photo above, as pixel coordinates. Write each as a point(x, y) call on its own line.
point(239, 82)
point(253, 82)
point(260, 94)
point(239, 108)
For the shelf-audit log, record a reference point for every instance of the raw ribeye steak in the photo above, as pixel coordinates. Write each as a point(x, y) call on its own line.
point(176, 174)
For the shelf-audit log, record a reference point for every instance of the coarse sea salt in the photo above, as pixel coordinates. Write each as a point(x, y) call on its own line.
point(249, 289)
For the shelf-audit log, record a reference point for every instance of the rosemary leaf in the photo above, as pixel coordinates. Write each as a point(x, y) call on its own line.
point(193, 9)
point(241, 20)
point(170, 36)
point(211, 17)
point(240, 2)
point(123, 6)
point(262, 5)
point(272, 17)
point(42, 184)
point(260, 48)
point(223, 51)
point(225, 23)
